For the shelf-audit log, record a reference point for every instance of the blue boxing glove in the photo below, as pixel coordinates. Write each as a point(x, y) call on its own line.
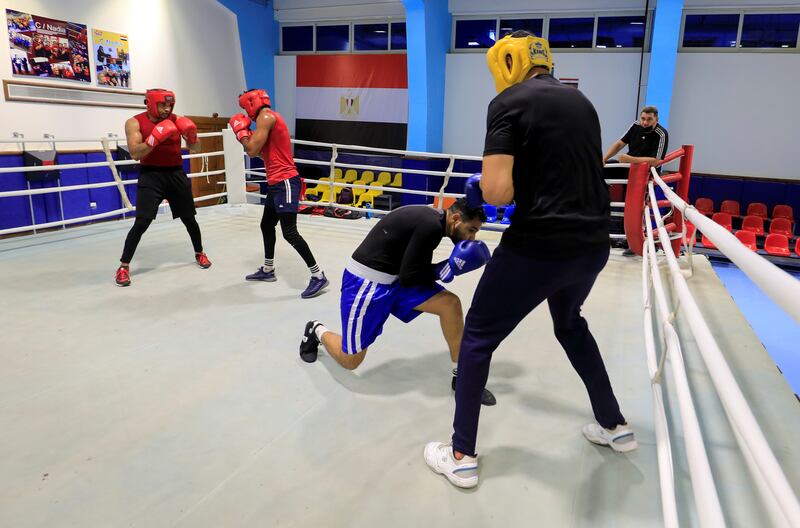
point(468, 255)
point(473, 191)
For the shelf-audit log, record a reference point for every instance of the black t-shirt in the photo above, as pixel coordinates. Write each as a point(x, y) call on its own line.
point(644, 143)
point(553, 132)
point(402, 244)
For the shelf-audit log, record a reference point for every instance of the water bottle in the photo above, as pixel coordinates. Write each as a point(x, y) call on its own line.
point(369, 212)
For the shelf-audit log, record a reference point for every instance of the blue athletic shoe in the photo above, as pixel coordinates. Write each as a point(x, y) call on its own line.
point(315, 286)
point(261, 275)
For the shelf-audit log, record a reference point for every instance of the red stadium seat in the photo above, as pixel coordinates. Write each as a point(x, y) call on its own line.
point(723, 219)
point(754, 224)
point(777, 245)
point(757, 209)
point(783, 211)
point(781, 226)
point(731, 207)
point(705, 206)
point(748, 238)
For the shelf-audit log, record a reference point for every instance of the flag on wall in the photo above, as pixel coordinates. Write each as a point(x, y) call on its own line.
point(353, 99)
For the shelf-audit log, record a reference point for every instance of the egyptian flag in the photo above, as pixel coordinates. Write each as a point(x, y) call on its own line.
point(353, 99)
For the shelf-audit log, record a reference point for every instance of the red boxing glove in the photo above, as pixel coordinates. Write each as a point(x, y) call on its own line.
point(187, 128)
point(162, 132)
point(240, 124)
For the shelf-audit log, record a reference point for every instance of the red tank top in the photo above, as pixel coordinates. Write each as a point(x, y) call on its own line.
point(277, 152)
point(166, 154)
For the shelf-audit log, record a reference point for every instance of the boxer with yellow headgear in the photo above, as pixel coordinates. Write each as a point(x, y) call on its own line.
point(512, 58)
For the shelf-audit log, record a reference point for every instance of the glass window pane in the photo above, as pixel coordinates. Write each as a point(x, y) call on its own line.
point(531, 25)
point(475, 34)
point(571, 32)
point(298, 38)
point(770, 31)
point(399, 36)
point(370, 37)
point(333, 38)
point(620, 32)
point(710, 31)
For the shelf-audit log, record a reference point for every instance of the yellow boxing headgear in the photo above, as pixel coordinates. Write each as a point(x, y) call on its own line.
point(525, 53)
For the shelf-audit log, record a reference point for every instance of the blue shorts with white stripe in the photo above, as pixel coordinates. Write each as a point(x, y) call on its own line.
point(366, 305)
point(284, 196)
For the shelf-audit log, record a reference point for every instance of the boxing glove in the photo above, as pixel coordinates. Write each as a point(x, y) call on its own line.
point(240, 124)
point(472, 189)
point(187, 128)
point(468, 255)
point(162, 132)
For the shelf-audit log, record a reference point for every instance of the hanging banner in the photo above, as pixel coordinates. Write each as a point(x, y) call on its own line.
point(44, 47)
point(112, 59)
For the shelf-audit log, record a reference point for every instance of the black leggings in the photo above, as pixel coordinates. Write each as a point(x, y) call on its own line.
point(141, 225)
point(289, 229)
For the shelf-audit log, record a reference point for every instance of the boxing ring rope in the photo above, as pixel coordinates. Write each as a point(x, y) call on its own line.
point(110, 163)
point(332, 184)
point(778, 497)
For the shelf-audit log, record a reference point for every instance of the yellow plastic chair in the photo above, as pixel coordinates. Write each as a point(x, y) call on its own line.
point(366, 178)
point(398, 180)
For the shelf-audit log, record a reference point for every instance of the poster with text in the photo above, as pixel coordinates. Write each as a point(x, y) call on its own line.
point(112, 59)
point(44, 47)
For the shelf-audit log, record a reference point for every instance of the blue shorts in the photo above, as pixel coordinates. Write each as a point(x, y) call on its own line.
point(284, 196)
point(365, 305)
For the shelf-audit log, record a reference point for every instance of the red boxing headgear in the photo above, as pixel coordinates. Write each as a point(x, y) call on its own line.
point(252, 101)
point(155, 96)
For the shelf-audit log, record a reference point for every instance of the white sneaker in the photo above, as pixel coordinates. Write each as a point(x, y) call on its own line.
point(462, 473)
point(621, 439)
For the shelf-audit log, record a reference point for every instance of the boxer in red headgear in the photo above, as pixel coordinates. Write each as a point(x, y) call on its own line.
point(271, 140)
point(154, 138)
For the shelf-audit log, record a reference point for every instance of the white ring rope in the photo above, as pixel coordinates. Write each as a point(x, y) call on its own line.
point(749, 436)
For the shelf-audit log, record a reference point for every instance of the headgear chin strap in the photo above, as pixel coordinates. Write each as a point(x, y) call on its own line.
point(158, 95)
point(252, 101)
point(525, 52)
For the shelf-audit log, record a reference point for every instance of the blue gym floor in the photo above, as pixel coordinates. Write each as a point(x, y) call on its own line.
point(778, 332)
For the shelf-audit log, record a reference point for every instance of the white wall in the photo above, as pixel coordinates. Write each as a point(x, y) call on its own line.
point(740, 111)
point(609, 80)
point(288, 11)
point(283, 101)
point(188, 46)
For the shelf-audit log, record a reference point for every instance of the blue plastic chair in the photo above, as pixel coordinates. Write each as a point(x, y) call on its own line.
point(491, 213)
point(507, 214)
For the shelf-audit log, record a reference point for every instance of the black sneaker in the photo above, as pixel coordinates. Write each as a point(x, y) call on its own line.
point(487, 398)
point(309, 346)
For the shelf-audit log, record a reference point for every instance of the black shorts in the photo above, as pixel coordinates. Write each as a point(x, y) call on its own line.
point(157, 184)
point(284, 196)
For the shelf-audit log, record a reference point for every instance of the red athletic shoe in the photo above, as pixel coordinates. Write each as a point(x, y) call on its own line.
point(202, 260)
point(123, 277)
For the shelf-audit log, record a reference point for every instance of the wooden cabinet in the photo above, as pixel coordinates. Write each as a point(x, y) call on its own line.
point(206, 185)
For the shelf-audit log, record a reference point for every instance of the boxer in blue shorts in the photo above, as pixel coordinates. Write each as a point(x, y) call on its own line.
point(391, 273)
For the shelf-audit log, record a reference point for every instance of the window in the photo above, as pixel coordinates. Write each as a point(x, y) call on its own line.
point(399, 36)
point(370, 37)
point(297, 38)
point(770, 31)
point(475, 34)
point(571, 32)
point(333, 38)
point(531, 25)
point(620, 32)
point(710, 31)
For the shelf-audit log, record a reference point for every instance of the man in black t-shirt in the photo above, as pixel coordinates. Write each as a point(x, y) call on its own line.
point(542, 151)
point(391, 273)
point(647, 142)
point(646, 139)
